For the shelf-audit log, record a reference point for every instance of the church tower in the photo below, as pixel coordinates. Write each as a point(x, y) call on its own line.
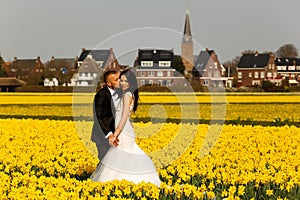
point(187, 53)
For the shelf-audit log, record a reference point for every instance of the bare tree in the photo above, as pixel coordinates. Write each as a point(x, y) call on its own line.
point(287, 51)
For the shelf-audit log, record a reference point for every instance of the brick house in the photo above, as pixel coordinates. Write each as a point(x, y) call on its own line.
point(254, 68)
point(210, 70)
point(59, 71)
point(154, 67)
point(30, 71)
point(289, 68)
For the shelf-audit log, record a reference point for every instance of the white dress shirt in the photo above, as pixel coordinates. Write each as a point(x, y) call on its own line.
point(116, 100)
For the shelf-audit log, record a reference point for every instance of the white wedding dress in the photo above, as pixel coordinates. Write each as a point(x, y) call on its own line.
point(126, 161)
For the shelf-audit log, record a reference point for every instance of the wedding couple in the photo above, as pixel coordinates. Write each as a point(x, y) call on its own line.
point(120, 156)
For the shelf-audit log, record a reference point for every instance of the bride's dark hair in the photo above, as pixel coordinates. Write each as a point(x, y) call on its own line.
point(133, 86)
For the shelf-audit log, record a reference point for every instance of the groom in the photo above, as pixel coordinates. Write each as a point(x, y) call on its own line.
point(104, 113)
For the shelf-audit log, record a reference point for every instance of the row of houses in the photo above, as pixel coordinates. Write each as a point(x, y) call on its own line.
point(255, 68)
point(153, 67)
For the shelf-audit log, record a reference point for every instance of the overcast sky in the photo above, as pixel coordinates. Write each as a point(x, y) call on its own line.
point(61, 28)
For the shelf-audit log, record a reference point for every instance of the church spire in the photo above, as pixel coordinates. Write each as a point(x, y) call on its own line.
point(187, 53)
point(187, 25)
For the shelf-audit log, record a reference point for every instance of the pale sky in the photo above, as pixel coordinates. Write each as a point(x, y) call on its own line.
point(61, 28)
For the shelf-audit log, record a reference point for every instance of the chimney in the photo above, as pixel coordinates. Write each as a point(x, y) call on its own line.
point(83, 49)
point(52, 58)
point(15, 59)
point(111, 49)
point(37, 59)
point(206, 49)
point(256, 53)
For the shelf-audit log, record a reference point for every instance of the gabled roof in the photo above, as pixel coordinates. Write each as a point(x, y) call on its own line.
point(11, 81)
point(287, 61)
point(98, 55)
point(154, 55)
point(203, 59)
point(254, 60)
point(68, 63)
point(89, 65)
point(24, 66)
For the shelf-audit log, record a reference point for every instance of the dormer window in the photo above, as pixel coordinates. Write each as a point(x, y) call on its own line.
point(164, 63)
point(146, 63)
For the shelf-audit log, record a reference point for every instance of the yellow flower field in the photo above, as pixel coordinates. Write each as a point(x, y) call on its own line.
point(45, 159)
point(254, 107)
point(52, 158)
point(69, 98)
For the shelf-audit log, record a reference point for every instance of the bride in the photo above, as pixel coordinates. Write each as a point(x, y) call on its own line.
point(125, 160)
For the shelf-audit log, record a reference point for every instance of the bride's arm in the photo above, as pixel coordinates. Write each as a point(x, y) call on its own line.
point(127, 99)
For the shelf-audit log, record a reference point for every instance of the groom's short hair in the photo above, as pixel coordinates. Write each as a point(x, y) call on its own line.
point(107, 73)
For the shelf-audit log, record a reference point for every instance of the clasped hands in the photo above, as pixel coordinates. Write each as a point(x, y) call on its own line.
point(113, 140)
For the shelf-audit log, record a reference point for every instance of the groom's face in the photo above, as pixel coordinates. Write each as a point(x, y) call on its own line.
point(113, 81)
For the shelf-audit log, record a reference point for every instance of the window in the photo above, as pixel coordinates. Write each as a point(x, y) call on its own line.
point(168, 73)
point(142, 82)
point(159, 82)
point(216, 64)
point(209, 73)
point(142, 73)
point(205, 82)
point(146, 54)
point(151, 73)
point(216, 73)
point(169, 83)
point(250, 74)
point(274, 74)
point(291, 68)
point(210, 65)
point(100, 63)
point(240, 74)
point(164, 63)
point(255, 74)
point(255, 82)
point(150, 82)
point(262, 74)
point(298, 67)
point(160, 73)
point(269, 74)
point(165, 54)
point(147, 63)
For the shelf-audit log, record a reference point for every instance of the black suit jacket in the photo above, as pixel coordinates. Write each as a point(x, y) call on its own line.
point(104, 118)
